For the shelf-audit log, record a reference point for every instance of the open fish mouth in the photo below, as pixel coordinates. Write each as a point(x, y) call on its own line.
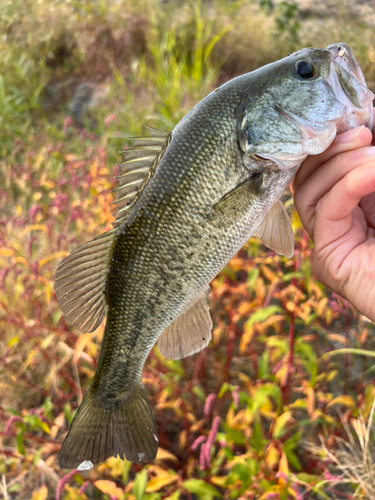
point(348, 86)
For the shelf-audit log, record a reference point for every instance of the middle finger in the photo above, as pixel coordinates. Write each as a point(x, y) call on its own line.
point(314, 187)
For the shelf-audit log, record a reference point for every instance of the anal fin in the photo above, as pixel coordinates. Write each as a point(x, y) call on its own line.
point(190, 331)
point(276, 231)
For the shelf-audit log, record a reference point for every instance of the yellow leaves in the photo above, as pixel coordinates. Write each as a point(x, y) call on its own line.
point(48, 291)
point(40, 494)
point(319, 414)
point(268, 274)
point(57, 424)
point(38, 160)
point(322, 304)
point(94, 168)
point(29, 359)
point(293, 293)
point(82, 341)
point(47, 341)
point(282, 374)
point(259, 321)
point(298, 404)
point(310, 397)
point(109, 488)
point(21, 260)
point(330, 376)
point(166, 455)
point(260, 290)
point(291, 306)
point(283, 469)
point(338, 338)
point(328, 316)
point(344, 400)
point(280, 424)
point(44, 427)
point(172, 405)
point(314, 289)
point(163, 479)
point(56, 255)
point(244, 308)
point(6, 252)
point(272, 457)
point(218, 481)
point(13, 341)
point(182, 440)
point(295, 220)
point(198, 425)
point(246, 338)
point(369, 399)
point(242, 420)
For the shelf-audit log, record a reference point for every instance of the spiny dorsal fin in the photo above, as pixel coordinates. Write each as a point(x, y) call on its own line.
point(276, 231)
point(137, 168)
point(80, 282)
point(190, 331)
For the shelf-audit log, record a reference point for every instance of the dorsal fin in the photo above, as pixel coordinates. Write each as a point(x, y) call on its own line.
point(80, 282)
point(80, 278)
point(137, 168)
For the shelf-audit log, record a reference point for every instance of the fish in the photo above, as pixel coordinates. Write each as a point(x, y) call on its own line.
point(187, 202)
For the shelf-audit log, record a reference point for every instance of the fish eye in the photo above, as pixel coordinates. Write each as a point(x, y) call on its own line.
point(304, 69)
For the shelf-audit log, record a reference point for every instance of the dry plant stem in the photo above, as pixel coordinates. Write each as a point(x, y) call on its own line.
point(290, 360)
point(346, 359)
point(231, 339)
point(4, 490)
point(198, 366)
point(353, 457)
point(342, 494)
point(77, 381)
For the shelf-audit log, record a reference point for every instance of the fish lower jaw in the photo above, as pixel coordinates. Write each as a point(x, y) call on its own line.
point(285, 162)
point(357, 118)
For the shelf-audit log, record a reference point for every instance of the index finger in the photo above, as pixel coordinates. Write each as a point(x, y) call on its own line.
point(352, 139)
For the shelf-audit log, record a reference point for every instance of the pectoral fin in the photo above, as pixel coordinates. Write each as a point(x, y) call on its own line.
point(234, 205)
point(276, 231)
point(190, 331)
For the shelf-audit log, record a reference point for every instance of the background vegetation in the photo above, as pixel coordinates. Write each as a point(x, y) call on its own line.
point(271, 409)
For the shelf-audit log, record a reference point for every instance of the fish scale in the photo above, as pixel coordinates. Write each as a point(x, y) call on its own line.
point(212, 183)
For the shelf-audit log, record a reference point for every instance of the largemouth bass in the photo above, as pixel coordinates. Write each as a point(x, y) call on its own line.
point(188, 200)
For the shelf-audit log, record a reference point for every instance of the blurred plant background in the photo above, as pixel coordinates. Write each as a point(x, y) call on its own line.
point(280, 405)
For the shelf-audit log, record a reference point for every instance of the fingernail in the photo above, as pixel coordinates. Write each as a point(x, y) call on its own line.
point(370, 151)
point(350, 135)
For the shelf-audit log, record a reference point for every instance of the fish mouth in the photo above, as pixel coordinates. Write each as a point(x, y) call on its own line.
point(348, 86)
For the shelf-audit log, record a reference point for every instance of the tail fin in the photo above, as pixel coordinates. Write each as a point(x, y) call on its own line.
point(98, 432)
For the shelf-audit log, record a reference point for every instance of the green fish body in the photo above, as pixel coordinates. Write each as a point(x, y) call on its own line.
point(187, 202)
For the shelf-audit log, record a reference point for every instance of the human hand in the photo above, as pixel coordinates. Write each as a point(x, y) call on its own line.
point(334, 194)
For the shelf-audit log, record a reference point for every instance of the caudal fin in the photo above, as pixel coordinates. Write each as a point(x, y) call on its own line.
point(97, 433)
